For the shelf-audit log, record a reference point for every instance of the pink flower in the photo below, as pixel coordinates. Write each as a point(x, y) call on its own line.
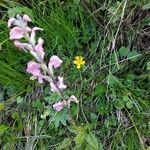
point(72, 99)
point(60, 83)
point(34, 68)
point(53, 87)
point(40, 78)
point(58, 86)
point(58, 106)
point(26, 18)
point(11, 21)
point(55, 61)
point(19, 21)
point(16, 33)
point(39, 48)
point(23, 46)
point(33, 32)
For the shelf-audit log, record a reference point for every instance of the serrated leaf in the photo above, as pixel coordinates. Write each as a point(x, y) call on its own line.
point(92, 141)
point(64, 144)
point(60, 117)
point(80, 138)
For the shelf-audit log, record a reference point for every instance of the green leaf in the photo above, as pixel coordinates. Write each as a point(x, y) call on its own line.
point(131, 55)
point(125, 98)
point(146, 6)
point(3, 128)
point(111, 9)
point(93, 116)
point(1, 95)
point(47, 98)
point(54, 97)
point(37, 104)
point(123, 51)
point(81, 133)
point(2, 106)
point(92, 141)
point(12, 12)
point(119, 104)
point(61, 118)
point(19, 100)
point(111, 80)
point(64, 144)
point(148, 148)
point(99, 90)
point(129, 105)
point(15, 116)
point(148, 66)
point(77, 1)
point(137, 2)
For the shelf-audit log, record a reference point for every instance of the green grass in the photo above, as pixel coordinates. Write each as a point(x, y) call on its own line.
point(112, 88)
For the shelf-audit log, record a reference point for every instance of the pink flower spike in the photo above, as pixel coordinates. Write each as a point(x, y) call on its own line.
point(39, 48)
point(60, 83)
point(26, 18)
point(16, 33)
point(58, 106)
point(53, 87)
point(55, 61)
point(11, 21)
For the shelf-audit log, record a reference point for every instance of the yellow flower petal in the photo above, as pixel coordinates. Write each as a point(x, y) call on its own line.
point(75, 62)
point(83, 62)
point(78, 66)
point(77, 57)
point(81, 58)
point(79, 61)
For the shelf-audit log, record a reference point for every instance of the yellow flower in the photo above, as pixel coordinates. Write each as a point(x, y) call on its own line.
point(79, 61)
